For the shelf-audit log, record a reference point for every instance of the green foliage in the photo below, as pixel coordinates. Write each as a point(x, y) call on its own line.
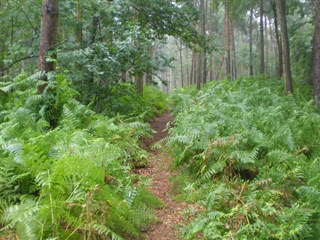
point(252, 156)
point(126, 101)
point(74, 180)
point(167, 18)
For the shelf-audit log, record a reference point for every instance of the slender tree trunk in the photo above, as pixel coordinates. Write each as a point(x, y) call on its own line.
point(211, 68)
point(241, 63)
point(170, 80)
point(48, 35)
point(251, 43)
point(262, 66)
point(201, 52)
point(199, 70)
point(205, 53)
point(179, 45)
point(205, 67)
point(211, 35)
point(174, 77)
point(187, 65)
point(234, 56)
point(274, 47)
point(166, 77)
point(285, 47)
point(266, 44)
point(149, 79)
point(220, 68)
point(195, 68)
point(278, 39)
point(316, 55)
point(192, 68)
point(78, 30)
point(227, 42)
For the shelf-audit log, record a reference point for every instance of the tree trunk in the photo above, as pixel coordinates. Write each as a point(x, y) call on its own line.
point(241, 63)
point(165, 76)
point(234, 56)
point(316, 55)
point(285, 47)
point(211, 29)
point(195, 68)
point(192, 68)
point(199, 70)
point(227, 42)
point(205, 68)
point(48, 35)
point(251, 42)
point(149, 79)
point(203, 30)
point(275, 48)
point(179, 45)
point(278, 39)
point(262, 66)
point(266, 44)
point(220, 68)
point(174, 79)
point(201, 53)
point(187, 65)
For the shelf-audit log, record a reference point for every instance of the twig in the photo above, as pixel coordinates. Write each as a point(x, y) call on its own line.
point(19, 60)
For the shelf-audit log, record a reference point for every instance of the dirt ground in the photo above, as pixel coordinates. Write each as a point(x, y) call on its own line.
point(171, 214)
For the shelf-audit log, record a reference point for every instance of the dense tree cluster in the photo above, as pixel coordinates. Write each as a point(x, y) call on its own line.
point(274, 38)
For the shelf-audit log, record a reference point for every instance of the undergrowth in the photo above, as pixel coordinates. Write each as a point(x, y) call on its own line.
point(124, 100)
point(65, 171)
point(251, 161)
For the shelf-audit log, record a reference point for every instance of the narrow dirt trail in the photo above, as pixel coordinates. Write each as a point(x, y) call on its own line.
point(171, 214)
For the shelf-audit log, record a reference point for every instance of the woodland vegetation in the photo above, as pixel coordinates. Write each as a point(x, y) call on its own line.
point(79, 80)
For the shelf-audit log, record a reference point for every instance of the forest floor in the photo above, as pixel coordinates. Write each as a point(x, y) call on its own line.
point(170, 216)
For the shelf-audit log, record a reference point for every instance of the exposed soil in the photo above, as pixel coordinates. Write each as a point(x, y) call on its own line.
point(171, 214)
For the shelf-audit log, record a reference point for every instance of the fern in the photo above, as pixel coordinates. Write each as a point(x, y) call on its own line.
point(58, 157)
point(254, 156)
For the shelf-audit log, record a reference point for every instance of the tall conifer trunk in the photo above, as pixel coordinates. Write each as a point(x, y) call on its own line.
point(251, 42)
point(262, 66)
point(266, 44)
point(201, 51)
point(211, 29)
point(192, 68)
point(187, 65)
point(234, 55)
point(285, 47)
point(227, 42)
point(279, 67)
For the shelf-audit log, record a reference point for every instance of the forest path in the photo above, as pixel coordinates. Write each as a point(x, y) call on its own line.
point(171, 214)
